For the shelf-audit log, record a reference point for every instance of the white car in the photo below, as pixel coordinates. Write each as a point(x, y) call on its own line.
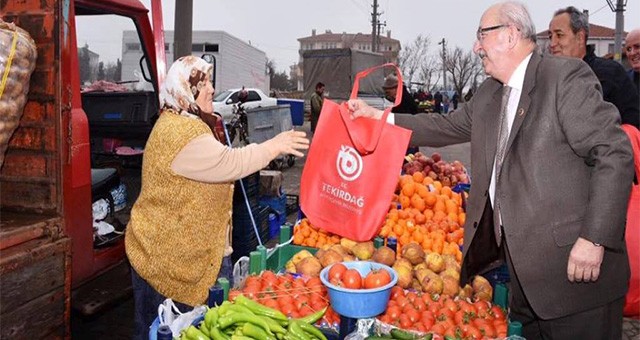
point(223, 102)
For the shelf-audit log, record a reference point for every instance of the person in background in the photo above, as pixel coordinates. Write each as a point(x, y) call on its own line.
point(178, 237)
point(445, 104)
point(632, 47)
point(454, 100)
point(552, 174)
point(437, 106)
point(317, 98)
point(568, 34)
point(407, 104)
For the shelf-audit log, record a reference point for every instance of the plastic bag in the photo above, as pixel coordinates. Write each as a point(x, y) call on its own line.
point(363, 328)
point(240, 272)
point(170, 315)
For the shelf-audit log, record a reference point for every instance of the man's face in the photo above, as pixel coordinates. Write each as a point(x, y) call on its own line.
point(390, 92)
point(562, 39)
point(632, 46)
point(492, 43)
point(320, 90)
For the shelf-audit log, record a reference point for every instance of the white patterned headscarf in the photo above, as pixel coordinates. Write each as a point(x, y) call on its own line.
point(185, 79)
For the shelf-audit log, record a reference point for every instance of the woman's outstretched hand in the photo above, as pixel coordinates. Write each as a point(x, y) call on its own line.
point(288, 143)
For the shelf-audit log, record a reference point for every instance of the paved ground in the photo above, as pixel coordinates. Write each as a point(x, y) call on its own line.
point(117, 323)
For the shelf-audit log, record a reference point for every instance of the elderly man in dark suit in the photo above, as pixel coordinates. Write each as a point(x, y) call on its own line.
point(552, 171)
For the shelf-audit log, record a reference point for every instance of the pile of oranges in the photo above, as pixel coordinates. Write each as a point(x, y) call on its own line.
point(306, 234)
point(428, 213)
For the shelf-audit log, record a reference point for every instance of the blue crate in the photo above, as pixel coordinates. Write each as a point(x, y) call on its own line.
point(278, 206)
point(297, 109)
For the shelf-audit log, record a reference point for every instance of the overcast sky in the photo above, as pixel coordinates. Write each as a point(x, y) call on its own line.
point(275, 26)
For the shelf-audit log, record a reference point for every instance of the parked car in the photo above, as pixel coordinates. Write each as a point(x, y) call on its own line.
point(223, 102)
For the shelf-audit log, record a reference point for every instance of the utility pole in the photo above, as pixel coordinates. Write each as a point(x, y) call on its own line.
point(374, 25)
point(183, 29)
point(444, 61)
point(619, 10)
point(380, 24)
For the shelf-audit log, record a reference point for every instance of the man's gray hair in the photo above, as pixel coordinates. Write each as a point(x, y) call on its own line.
point(515, 13)
point(579, 21)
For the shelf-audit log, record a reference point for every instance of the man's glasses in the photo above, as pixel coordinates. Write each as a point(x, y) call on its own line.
point(481, 33)
point(633, 47)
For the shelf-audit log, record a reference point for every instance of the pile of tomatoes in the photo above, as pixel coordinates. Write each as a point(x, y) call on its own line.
point(341, 276)
point(457, 318)
point(295, 297)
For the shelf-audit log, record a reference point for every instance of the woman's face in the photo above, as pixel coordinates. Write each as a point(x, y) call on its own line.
point(205, 97)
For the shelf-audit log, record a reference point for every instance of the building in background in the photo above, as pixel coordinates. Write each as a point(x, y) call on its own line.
point(388, 47)
point(237, 62)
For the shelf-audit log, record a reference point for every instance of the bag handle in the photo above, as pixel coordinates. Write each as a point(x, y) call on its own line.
point(366, 140)
point(634, 138)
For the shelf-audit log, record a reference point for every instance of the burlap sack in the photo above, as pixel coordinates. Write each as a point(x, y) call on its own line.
point(17, 60)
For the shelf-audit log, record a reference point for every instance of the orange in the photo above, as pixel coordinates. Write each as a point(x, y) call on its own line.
point(440, 206)
point(305, 232)
point(404, 239)
point(446, 191)
point(398, 229)
point(420, 218)
point(428, 214)
point(438, 186)
point(405, 201)
point(439, 215)
point(417, 236)
point(422, 190)
point(418, 176)
point(404, 179)
point(418, 203)
point(408, 189)
point(451, 206)
point(462, 218)
point(298, 239)
point(427, 180)
point(430, 199)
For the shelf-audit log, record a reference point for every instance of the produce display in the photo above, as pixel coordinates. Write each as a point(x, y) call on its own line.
point(292, 296)
point(456, 318)
point(18, 55)
point(305, 234)
point(428, 213)
point(435, 167)
point(245, 318)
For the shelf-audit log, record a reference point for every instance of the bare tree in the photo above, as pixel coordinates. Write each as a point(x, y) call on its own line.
point(413, 56)
point(429, 73)
point(460, 67)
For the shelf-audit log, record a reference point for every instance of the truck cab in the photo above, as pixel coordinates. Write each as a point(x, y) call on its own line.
point(80, 141)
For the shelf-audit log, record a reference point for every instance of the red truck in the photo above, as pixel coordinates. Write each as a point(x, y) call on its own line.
point(61, 159)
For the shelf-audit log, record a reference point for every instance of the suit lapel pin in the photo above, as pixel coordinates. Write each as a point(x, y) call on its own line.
point(520, 111)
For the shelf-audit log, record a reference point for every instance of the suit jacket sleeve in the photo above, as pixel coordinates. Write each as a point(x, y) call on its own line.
point(591, 127)
point(433, 129)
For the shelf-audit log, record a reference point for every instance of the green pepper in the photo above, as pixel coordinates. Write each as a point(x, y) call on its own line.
point(259, 309)
point(402, 335)
point(273, 325)
point(311, 329)
point(228, 320)
point(194, 334)
point(240, 337)
point(216, 334)
point(296, 330)
point(428, 336)
point(373, 337)
point(313, 318)
point(256, 332)
point(211, 318)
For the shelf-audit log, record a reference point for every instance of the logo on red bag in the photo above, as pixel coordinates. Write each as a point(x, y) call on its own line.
point(349, 163)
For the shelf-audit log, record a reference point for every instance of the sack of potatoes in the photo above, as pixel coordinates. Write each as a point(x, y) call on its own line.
point(18, 55)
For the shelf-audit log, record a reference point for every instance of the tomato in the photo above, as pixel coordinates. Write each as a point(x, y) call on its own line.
point(271, 303)
point(252, 279)
point(470, 331)
point(314, 284)
point(336, 271)
point(306, 310)
point(482, 307)
point(394, 312)
point(419, 305)
point(288, 309)
point(301, 301)
point(405, 322)
point(402, 301)
point(418, 326)
point(498, 312)
point(351, 279)
point(428, 322)
point(488, 331)
point(412, 296)
point(233, 293)
point(386, 318)
point(396, 291)
point(438, 328)
point(467, 307)
point(413, 315)
point(377, 278)
point(269, 279)
point(450, 304)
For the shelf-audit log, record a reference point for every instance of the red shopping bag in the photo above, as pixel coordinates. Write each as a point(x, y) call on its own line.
point(352, 168)
point(632, 233)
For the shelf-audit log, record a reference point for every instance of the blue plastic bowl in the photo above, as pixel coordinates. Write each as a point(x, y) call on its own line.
point(359, 303)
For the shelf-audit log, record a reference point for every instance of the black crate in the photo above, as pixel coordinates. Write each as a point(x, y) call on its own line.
point(293, 204)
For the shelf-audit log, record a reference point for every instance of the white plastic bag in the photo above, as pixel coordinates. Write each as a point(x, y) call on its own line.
point(170, 315)
point(240, 272)
point(362, 330)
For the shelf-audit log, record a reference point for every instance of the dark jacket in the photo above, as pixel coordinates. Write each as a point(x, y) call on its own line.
point(617, 88)
point(407, 104)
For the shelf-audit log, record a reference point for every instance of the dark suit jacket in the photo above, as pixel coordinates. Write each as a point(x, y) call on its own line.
point(567, 173)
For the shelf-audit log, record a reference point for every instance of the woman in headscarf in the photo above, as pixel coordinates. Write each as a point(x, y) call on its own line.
point(178, 236)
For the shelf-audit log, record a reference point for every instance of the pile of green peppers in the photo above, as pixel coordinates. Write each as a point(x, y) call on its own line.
point(247, 319)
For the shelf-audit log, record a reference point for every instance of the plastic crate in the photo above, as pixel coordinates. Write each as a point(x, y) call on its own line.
point(293, 204)
point(266, 122)
point(297, 110)
point(278, 205)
